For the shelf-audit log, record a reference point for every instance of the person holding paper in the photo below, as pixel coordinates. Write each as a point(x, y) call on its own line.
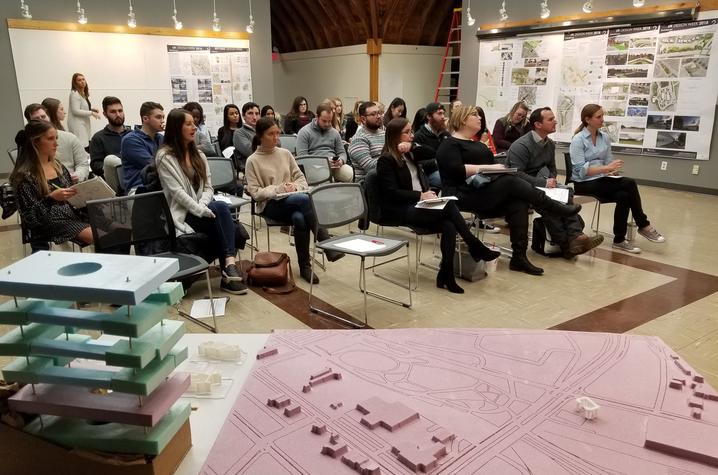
point(402, 184)
point(42, 186)
point(272, 171)
point(461, 162)
point(534, 156)
point(595, 172)
point(184, 173)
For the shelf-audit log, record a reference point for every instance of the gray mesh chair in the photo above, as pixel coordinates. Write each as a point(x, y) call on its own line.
point(224, 181)
point(289, 141)
point(315, 168)
point(12, 153)
point(338, 204)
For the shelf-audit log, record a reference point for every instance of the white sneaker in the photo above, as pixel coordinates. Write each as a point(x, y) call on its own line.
point(650, 233)
point(489, 228)
point(626, 246)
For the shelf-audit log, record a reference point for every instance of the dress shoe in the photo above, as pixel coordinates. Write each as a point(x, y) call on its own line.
point(520, 263)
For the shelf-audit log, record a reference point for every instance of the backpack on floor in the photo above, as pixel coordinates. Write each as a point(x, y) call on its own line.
point(541, 241)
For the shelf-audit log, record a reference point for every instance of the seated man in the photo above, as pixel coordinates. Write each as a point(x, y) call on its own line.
point(533, 154)
point(428, 137)
point(368, 142)
point(70, 151)
point(319, 138)
point(243, 136)
point(105, 144)
point(138, 147)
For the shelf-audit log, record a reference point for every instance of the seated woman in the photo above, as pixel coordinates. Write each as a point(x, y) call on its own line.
point(202, 137)
point(184, 174)
point(232, 121)
point(460, 158)
point(595, 172)
point(42, 187)
point(402, 184)
point(510, 127)
point(271, 171)
point(483, 135)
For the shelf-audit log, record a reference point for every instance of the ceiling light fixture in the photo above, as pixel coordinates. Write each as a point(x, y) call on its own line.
point(216, 27)
point(178, 24)
point(81, 17)
point(131, 20)
point(639, 3)
point(588, 6)
point(250, 27)
point(503, 16)
point(545, 12)
point(25, 10)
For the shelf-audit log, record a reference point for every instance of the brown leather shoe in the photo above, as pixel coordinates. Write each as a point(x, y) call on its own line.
point(582, 243)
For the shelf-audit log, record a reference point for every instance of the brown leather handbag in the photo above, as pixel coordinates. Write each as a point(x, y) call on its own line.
point(273, 272)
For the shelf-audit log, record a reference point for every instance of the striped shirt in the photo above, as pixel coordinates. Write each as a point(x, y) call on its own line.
point(364, 151)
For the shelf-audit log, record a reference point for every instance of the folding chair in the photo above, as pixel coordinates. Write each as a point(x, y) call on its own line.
point(288, 141)
point(12, 153)
point(338, 204)
point(144, 221)
point(315, 168)
point(583, 199)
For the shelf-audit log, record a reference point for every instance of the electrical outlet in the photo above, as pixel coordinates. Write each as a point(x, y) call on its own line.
point(696, 169)
point(664, 165)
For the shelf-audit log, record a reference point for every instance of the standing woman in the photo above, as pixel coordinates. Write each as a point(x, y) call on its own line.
point(595, 172)
point(185, 178)
point(402, 184)
point(78, 121)
point(298, 116)
point(272, 170)
point(461, 160)
point(232, 121)
point(397, 109)
point(42, 186)
point(510, 127)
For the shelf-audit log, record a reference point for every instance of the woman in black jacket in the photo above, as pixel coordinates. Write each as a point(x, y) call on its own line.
point(402, 184)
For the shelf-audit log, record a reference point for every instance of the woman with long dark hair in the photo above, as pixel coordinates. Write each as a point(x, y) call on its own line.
point(595, 172)
point(270, 173)
point(402, 184)
point(185, 177)
point(78, 120)
point(232, 121)
point(298, 116)
point(202, 137)
point(268, 111)
point(42, 187)
point(461, 162)
point(397, 108)
point(484, 135)
point(70, 151)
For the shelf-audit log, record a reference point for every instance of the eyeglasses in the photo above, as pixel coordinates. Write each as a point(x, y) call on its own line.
point(372, 114)
point(407, 132)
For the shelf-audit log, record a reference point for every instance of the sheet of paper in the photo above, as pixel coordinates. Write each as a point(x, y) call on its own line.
point(227, 152)
point(223, 199)
point(201, 308)
point(558, 194)
point(279, 196)
point(431, 204)
point(440, 199)
point(361, 245)
point(92, 189)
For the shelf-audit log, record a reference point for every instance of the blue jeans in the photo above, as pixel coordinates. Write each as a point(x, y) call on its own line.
point(220, 228)
point(435, 179)
point(294, 209)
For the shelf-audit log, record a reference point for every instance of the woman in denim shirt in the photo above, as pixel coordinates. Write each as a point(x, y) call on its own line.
point(595, 173)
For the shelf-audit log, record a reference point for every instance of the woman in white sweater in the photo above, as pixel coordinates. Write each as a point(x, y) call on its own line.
point(186, 182)
point(78, 120)
point(270, 173)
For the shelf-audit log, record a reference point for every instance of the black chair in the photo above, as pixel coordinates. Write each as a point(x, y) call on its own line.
point(12, 153)
point(583, 199)
point(144, 221)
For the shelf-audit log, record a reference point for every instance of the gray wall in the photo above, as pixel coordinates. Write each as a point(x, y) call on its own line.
point(645, 169)
point(194, 14)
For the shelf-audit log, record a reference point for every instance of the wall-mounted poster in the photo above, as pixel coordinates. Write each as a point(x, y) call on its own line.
point(658, 85)
point(211, 75)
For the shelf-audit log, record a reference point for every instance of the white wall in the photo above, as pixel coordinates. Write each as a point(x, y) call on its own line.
point(409, 72)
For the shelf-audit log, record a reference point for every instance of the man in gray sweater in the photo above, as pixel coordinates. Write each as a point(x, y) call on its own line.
point(242, 138)
point(534, 156)
point(319, 138)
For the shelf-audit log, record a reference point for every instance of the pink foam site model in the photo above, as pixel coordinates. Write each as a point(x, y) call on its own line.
point(469, 401)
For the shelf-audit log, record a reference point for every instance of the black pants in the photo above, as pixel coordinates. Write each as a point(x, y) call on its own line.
point(220, 229)
point(447, 221)
point(622, 191)
point(564, 229)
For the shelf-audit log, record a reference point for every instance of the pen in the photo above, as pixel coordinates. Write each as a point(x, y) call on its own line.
point(376, 242)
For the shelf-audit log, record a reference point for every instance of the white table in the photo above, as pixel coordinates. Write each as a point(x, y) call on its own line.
point(208, 419)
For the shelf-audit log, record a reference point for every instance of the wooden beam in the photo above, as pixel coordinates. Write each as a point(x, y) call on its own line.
point(373, 49)
point(603, 14)
point(708, 5)
point(139, 30)
point(374, 19)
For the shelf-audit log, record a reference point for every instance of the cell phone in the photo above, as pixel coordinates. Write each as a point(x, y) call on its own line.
point(334, 159)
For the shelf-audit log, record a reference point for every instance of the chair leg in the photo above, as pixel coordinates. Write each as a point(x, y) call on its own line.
point(363, 287)
point(199, 322)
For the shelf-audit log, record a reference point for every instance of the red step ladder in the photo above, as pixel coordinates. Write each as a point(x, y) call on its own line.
point(447, 88)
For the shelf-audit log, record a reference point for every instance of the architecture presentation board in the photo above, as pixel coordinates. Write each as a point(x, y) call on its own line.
point(134, 67)
point(658, 84)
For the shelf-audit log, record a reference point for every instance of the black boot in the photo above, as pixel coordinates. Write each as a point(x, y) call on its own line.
point(332, 256)
point(519, 262)
point(301, 242)
point(480, 252)
point(445, 278)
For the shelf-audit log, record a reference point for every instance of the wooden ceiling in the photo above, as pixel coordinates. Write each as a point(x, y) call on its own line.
point(301, 25)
